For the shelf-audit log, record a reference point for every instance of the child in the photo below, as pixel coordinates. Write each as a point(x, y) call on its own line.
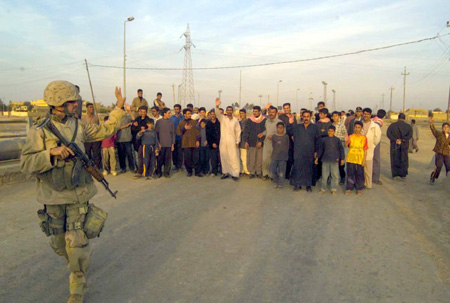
point(148, 151)
point(109, 154)
point(441, 148)
point(356, 159)
point(280, 155)
point(331, 153)
point(204, 149)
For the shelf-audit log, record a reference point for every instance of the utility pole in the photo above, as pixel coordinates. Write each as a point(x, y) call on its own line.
point(404, 74)
point(334, 99)
point(325, 92)
point(296, 97)
point(129, 19)
point(220, 94)
point(448, 107)
point(390, 105)
point(173, 89)
point(187, 82)
point(92, 90)
point(260, 100)
point(278, 90)
point(240, 88)
point(382, 101)
point(310, 101)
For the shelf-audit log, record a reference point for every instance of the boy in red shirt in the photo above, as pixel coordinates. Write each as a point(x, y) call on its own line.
point(109, 154)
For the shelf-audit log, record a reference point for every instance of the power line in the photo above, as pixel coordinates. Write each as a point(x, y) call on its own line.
point(280, 62)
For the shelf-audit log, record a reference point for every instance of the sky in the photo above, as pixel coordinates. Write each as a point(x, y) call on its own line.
point(42, 41)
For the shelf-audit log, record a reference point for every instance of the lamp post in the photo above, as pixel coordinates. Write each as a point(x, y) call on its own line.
point(278, 90)
point(325, 92)
point(296, 97)
point(260, 100)
point(124, 56)
point(220, 94)
point(334, 99)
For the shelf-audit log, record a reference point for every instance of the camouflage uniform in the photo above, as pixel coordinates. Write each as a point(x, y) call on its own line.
point(63, 187)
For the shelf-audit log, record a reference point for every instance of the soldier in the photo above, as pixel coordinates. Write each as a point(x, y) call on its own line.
point(63, 186)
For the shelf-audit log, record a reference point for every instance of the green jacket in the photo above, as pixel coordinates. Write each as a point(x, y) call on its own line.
point(61, 181)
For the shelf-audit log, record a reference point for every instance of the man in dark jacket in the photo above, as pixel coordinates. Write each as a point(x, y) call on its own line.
point(213, 138)
point(139, 122)
point(254, 138)
point(287, 117)
point(190, 142)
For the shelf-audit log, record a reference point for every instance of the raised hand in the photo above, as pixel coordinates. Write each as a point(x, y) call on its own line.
point(120, 99)
point(218, 102)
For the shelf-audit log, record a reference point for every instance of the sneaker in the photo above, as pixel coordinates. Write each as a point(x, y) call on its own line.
point(235, 178)
point(137, 176)
point(342, 182)
point(76, 299)
point(189, 174)
point(105, 173)
point(308, 189)
point(114, 173)
point(224, 176)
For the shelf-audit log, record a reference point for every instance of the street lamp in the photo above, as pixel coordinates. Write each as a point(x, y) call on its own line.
point(296, 97)
point(220, 94)
point(278, 90)
point(325, 92)
point(124, 56)
point(260, 100)
point(334, 99)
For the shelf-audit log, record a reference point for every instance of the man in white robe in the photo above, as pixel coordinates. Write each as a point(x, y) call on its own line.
point(230, 136)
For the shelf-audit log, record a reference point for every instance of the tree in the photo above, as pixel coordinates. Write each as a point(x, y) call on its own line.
point(437, 110)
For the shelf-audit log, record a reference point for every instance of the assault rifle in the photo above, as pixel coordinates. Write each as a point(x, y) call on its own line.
point(87, 163)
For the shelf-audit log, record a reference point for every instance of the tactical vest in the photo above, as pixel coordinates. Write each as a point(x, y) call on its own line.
point(67, 174)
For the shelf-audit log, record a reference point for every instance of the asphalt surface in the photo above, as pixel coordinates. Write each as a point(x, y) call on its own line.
point(210, 240)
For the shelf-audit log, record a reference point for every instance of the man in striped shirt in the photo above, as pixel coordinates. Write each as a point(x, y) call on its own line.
point(378, 119)
point(341, 133)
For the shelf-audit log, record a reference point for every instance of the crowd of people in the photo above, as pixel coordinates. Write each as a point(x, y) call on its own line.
point(328, 149)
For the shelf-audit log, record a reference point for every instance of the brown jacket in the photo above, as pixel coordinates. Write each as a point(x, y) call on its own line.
point(442, 142)
point(189, 136)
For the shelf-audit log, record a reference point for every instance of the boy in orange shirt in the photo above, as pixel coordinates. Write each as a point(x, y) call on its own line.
point(356, 160)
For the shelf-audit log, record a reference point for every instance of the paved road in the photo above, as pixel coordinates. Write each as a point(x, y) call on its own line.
point(210, 240)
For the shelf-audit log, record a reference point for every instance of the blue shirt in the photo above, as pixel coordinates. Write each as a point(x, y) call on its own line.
point(176, 121)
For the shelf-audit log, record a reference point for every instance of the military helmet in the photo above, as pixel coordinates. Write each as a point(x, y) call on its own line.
point(59, 92)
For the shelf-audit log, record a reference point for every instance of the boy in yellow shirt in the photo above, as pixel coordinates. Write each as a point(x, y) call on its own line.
point(356, 160)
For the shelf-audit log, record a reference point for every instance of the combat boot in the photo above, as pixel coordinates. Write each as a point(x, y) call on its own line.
point(76, 299)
